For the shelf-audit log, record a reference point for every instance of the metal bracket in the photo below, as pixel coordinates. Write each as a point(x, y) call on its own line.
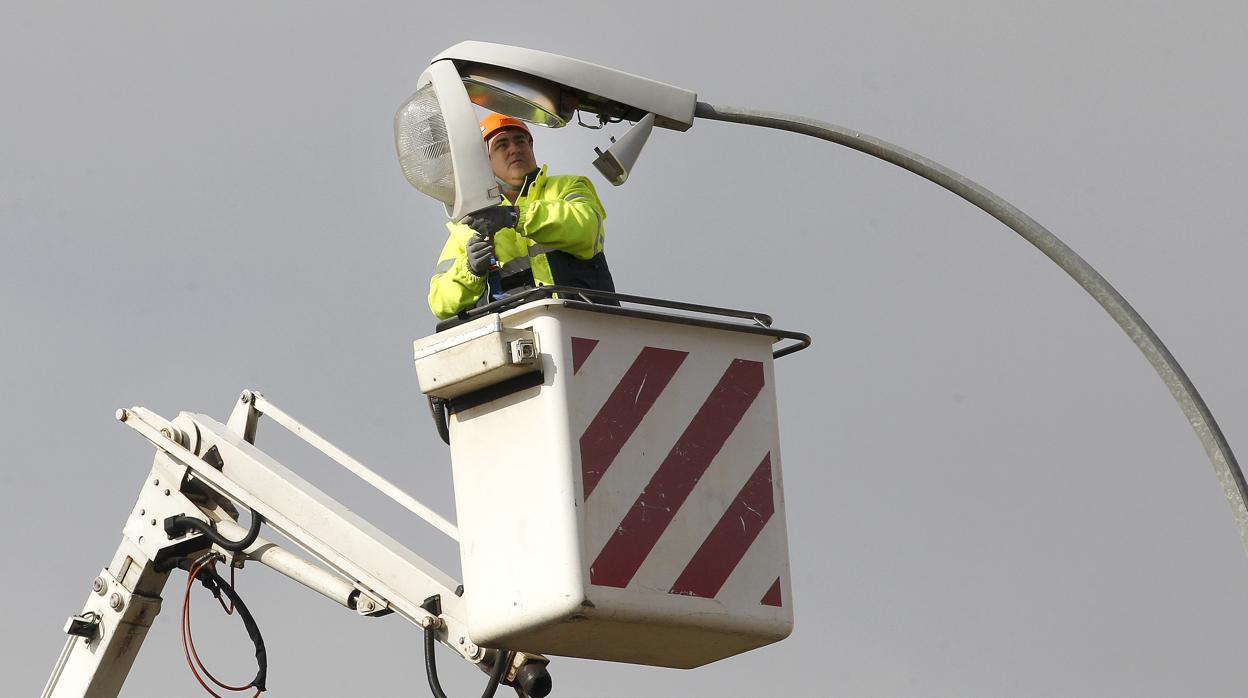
point(245, 417)
point(369, 604)
point(160, 498)
point(85, 625)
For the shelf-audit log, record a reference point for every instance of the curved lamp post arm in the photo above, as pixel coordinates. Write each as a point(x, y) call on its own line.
point(1181, 387)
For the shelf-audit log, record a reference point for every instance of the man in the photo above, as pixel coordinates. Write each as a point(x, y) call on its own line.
point(548, 231)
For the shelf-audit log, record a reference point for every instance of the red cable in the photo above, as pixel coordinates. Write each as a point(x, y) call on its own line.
point(188, 639)
point(229, 610)
point(186, 610)
point(188, 642)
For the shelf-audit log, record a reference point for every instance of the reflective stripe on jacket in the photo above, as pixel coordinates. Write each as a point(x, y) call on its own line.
point(558, 212)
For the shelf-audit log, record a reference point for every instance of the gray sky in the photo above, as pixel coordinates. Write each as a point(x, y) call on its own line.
point(989, 491)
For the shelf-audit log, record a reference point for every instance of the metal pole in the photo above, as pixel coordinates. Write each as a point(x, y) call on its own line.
point(1198, 415)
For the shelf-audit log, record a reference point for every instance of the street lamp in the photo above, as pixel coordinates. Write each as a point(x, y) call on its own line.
point(546, 88)
point(439, 143)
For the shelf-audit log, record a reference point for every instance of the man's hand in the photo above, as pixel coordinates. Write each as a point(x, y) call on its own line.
point(480, 251)
point(492, 219)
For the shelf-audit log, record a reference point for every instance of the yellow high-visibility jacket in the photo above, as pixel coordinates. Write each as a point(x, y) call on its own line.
point(558, 212)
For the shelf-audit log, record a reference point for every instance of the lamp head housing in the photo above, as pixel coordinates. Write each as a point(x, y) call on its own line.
point(547, 88)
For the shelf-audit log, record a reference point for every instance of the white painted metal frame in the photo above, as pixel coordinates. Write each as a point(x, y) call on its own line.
point(125, 597)
point(263, 406)
point(308, 517)
point(368, 570)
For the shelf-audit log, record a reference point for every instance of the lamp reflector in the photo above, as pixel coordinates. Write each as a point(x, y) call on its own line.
point(516, 94)
point(424, 148)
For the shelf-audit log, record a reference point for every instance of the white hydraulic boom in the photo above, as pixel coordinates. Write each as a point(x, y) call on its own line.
point(203, 467)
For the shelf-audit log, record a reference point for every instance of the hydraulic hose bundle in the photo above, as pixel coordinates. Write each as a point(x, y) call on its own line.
point(204, 570)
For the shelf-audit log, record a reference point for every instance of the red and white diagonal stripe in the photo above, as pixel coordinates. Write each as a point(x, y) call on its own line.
point(677, 472)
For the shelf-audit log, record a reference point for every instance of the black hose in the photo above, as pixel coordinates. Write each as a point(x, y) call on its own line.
point(216, 583)
point(431, 668)
point(437, 408)
point(177, 525)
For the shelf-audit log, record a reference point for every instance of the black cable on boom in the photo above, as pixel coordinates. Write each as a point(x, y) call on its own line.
point(176, 526)
point(217, 585)
point(433, 605)
point(437, 408)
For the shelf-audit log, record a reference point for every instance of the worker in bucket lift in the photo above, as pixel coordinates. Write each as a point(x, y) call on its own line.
point(547, 231)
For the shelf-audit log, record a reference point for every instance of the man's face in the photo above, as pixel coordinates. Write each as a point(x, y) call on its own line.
point(511, 155)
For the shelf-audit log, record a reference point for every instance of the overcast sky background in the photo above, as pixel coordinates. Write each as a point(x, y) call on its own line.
point(989, 491)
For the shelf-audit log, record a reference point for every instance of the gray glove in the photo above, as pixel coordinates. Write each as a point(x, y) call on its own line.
point(492, 219)
point(480, 251)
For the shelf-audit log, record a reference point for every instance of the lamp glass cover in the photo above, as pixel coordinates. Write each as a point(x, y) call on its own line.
point(424, 148)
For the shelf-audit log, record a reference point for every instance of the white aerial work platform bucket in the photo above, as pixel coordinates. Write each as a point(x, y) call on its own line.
point(617, 478)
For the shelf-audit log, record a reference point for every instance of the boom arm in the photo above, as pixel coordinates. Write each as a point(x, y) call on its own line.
point(202, 468)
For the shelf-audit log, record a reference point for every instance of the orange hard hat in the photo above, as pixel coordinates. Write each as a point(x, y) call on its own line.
point(493, 123)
